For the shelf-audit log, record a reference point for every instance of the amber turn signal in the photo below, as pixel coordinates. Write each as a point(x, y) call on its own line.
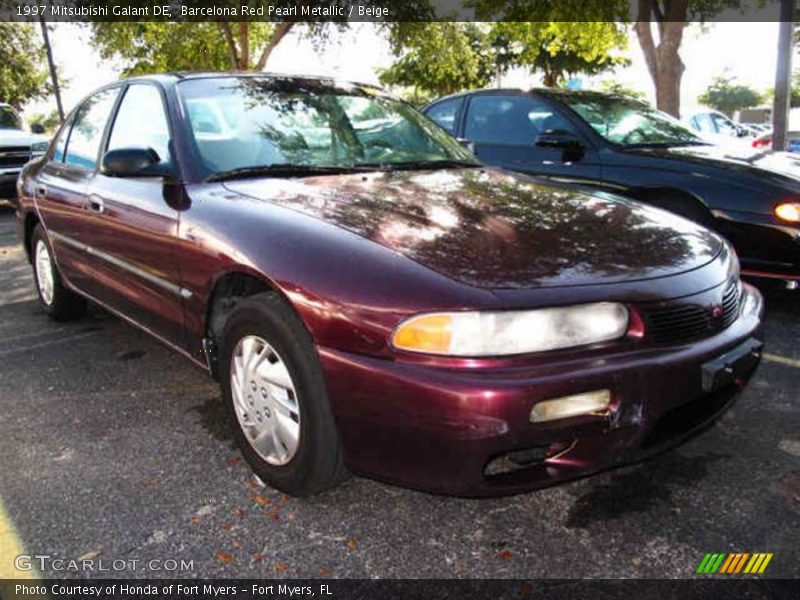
point(426, 333)
point(788, 211)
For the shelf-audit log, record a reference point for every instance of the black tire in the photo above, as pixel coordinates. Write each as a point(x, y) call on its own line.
point(64, 305)
point(317, 463)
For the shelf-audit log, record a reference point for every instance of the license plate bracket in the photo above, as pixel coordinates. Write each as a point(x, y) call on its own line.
point(734, 364)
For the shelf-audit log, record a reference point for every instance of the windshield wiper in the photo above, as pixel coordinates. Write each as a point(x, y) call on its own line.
point(285, 170)
point(675, 144)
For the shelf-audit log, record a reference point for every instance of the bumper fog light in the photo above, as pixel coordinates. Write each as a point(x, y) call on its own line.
point(571, 406)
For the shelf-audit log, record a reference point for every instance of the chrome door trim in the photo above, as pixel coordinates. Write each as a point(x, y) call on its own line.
point(123, 264)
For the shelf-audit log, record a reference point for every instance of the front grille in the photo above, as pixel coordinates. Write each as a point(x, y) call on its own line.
point(14, 156)
point(679, 323)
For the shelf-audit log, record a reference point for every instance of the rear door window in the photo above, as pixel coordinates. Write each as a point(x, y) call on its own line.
point(445, 113)
point(84, 141)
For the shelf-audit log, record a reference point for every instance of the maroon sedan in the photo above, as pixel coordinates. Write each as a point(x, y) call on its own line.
point(374, 301)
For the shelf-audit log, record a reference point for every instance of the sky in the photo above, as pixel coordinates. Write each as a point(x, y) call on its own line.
point(745, 50)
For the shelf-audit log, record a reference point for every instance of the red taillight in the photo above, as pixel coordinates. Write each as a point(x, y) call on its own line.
point(762, 142)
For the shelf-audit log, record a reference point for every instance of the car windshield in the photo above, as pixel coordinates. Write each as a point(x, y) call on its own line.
point(247, 124)
point(628, 122)
point(9, 119)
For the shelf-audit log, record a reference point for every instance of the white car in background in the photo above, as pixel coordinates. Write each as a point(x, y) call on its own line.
point(16, 148)
point(718, 129)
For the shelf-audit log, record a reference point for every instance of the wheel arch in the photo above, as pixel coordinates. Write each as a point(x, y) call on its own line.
point(30, 223)
point(680, 202)
point(227, 291)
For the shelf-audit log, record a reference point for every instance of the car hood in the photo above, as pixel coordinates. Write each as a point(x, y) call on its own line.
point(493, 230)
point(17, 137)
point(778, 166)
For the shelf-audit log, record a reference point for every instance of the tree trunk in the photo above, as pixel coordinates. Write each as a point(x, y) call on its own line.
point(244, 45)
point(53, 73)
point(550, 79)
point(240, 49)
point(234, 52)
point(663, 59)
point(280, 32)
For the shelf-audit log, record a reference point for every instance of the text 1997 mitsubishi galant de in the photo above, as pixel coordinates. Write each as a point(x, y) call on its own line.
point(374, 301)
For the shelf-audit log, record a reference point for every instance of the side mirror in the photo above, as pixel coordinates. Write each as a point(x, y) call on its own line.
point(37, 128)
point(131, 162)
point(558, 139)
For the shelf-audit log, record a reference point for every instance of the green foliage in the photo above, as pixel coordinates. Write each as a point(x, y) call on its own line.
point(614, 87)
point(438, 58)
point(727, 96)
point(559, 49)
point(49, 121)
point(155, 46)
point(23, 72)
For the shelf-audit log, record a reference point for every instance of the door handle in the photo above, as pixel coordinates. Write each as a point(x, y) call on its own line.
point(40, 191)
point(96, 204)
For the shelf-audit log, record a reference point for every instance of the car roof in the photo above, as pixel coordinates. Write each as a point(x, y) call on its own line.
point(174, 77)
point(554, 92)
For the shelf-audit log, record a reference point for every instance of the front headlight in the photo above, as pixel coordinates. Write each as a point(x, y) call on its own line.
point(471, 334)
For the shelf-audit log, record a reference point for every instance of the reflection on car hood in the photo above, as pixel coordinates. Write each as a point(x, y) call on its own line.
point(490, 229)
point(744, 159)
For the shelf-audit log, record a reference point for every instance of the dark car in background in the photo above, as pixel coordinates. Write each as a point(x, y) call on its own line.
point(750, 195)
point(373, 299)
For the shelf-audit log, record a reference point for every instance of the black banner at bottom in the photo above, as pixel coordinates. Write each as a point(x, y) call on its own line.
point(397, 589)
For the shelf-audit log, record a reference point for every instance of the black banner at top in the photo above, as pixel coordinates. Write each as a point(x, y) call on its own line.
point(389, 10)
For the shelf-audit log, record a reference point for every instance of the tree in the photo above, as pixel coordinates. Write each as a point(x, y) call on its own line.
point(659, 27)
point(49, 121)
point(670, 17)
point(727, 96)
point(439, 58)
point(22, 76)
point(152, 46)
point(611, 86)
point(559, 49)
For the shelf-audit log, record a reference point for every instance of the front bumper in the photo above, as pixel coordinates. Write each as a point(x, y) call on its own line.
point(439, 429)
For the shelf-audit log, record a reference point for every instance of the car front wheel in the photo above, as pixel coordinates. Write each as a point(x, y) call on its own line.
point(276, 398)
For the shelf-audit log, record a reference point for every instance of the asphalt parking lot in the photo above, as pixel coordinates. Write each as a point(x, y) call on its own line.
point(113, 447)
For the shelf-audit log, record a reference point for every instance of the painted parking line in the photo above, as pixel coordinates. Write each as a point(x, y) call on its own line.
point(63, 340)
point(783, 360)
point(10, 549)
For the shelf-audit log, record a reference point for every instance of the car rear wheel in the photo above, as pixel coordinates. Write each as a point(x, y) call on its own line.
point(59, 302)
point(275, 395)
